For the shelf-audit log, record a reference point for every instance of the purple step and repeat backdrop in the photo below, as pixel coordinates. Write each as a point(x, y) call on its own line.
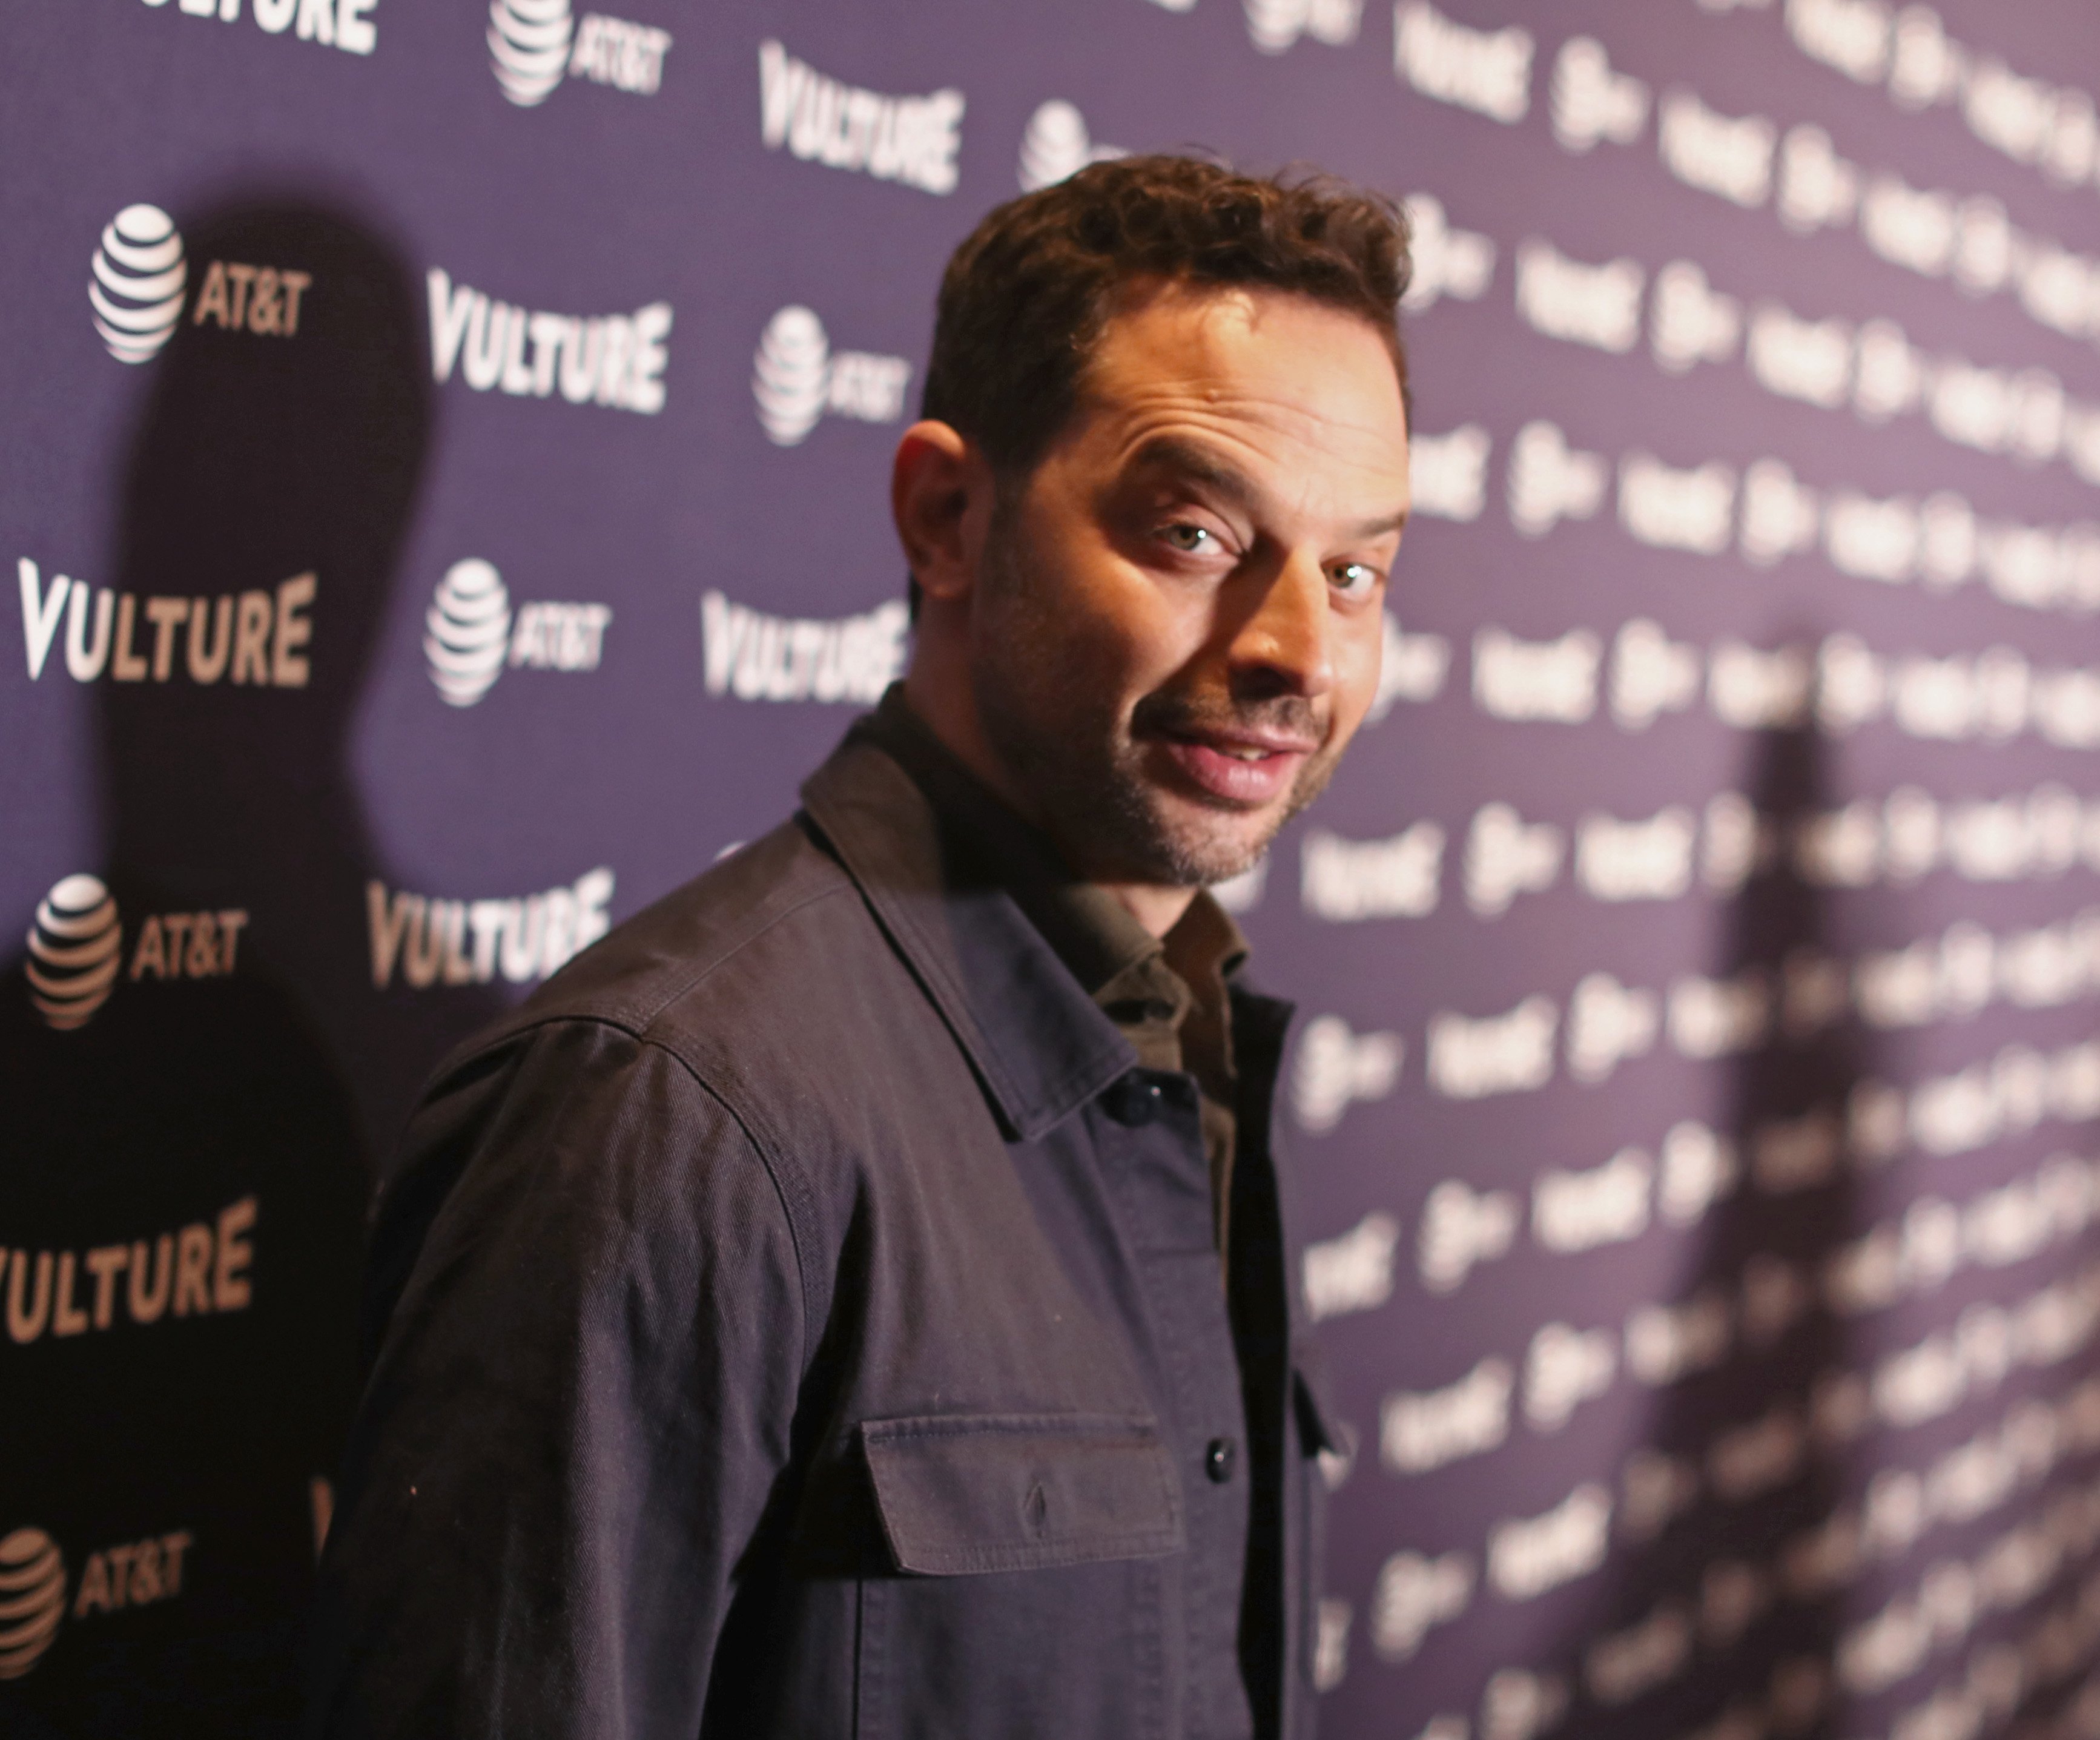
point(444, 489)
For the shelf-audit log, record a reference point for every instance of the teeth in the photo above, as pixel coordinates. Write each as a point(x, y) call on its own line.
point(1247, 755)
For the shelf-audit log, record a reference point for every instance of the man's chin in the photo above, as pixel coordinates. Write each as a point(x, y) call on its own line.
point(1200, 845)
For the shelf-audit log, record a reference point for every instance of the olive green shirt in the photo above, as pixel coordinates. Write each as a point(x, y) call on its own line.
point(1166, 995)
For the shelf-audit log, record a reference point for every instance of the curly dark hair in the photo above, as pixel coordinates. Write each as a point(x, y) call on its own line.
point(1026, 298)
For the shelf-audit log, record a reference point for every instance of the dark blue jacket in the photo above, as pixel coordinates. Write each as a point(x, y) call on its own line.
point(802, 1318)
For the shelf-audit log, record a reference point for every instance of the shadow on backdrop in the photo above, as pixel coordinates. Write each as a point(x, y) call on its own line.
point(1716, 1622)
point(186, 1244)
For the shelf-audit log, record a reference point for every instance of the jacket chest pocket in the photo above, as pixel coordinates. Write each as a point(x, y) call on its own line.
point(1031, 1552)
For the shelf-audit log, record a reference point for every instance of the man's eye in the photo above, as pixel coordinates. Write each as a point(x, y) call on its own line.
point(1354, 580)
point(1190, 540)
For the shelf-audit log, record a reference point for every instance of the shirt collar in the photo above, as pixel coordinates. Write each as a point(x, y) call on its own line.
point(1039, 1044)
point(1012, 948)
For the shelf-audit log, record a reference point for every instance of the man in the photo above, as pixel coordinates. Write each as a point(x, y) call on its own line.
point(853, 1299)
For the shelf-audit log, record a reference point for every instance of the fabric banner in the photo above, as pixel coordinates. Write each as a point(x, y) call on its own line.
point(446, 501)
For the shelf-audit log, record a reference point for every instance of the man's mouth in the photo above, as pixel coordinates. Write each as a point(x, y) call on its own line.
point(1245, 769)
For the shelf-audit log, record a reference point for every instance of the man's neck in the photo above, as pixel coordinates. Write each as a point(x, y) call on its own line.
point(1158, 909)
point(946, 709)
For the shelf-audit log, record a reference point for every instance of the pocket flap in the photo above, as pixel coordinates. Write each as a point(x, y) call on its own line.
point(960, 1493)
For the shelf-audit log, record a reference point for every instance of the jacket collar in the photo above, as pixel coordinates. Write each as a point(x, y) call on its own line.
point(1035, 1038)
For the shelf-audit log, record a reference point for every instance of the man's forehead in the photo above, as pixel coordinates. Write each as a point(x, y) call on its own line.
point(1248, 349)
point(1219, 326)
point(1203, 383)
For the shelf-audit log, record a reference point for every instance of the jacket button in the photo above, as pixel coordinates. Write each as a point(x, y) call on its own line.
point(1218, 1460)
point(1133, 1099)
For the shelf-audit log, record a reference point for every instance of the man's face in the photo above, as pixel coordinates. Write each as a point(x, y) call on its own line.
point(1177, 624)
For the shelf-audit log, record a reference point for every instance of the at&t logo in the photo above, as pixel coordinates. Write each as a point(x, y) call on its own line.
point(1056, 145)
point(797, 380)
point(534, 44)
point(77, 949)
point(32, 1588)
point(139, 277)
point(528, 45)
point(471, 634)
point(33, 1592)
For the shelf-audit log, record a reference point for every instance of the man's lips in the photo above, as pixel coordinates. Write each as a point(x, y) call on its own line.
point(1246, 769)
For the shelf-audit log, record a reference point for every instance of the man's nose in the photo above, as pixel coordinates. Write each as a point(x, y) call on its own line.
point(1284, 646)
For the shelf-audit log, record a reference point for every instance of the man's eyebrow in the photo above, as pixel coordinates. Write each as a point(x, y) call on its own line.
point(1383, 525)
point(1192, 462)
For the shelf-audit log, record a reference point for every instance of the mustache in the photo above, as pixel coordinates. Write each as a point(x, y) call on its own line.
point(1168, 712)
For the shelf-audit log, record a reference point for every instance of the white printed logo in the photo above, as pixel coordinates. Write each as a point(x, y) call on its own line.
point(1353, 1272)
point(1459, 263)
point(1550, 481)
point(1415, 1595)
point(1336, 1067)
point(428, 940)
point(1058, 145)
point(797, 380)
point(33, 1592)
point(247, 637)
point(1718, 153)
point(1275, 24)
point(1591, 102)
point(528, 45)
point(909, 139)
point(32, 1588)
point(472, 633)
point(140, 276)
point(1584, 304)
point(1527, 1556)
point(1507, 855)
point(1486, 71)
point(1689, 321)
point(195, 1270)
point(334, 23)
point(1344, 880)
point(1670, 508)
point(534, 44)
point(1462, 1229)
point(617, 360)
point(75, 949)
point(1421, 1430)
point(76, 944)
point(756, 656)
point(1470, 1059)
point(238, 297)
point(470, 626)
point(1448, 474)
point(1537, 679)
point(1564, 1368)
point(1607, 1023)
point(627, 56)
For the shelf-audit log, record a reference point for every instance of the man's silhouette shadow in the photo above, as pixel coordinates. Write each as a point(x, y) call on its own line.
point(1706, 1593)
point(209, 1102)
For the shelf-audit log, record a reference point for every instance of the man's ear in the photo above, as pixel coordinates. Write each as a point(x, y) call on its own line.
point(940, 495)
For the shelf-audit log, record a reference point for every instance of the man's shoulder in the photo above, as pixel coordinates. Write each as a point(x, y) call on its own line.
point(746, 918)
point(712, 967)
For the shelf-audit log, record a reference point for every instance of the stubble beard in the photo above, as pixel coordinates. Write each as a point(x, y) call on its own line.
point(1039, 700)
